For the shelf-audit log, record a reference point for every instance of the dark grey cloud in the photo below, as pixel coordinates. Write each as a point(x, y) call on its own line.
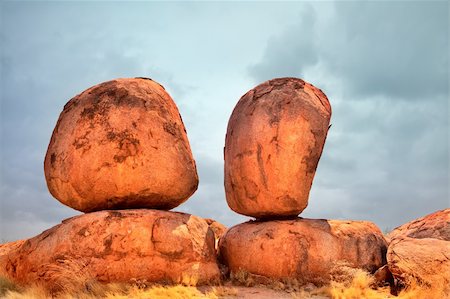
point(394, 48)
point(374, 48)
point(384, 67)
point(289, 53)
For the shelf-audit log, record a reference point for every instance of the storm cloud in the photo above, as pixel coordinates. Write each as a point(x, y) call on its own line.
point(384, 67)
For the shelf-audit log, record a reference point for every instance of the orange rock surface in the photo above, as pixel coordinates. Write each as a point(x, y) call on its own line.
point(274, 140)
point(120, 144)
point(425, 260)
point(435, 225)
point(119, 246)
point(303, 249)
point(5, 248)
point(419, 251)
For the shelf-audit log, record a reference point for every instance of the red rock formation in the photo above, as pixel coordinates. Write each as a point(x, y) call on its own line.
point(218, 228)
point(120, 144)
point(274, 140)
point(426, 261)
point(419, 251)
point(435, 225)
point(5, 248)
point(119, 246)
point(303, 249)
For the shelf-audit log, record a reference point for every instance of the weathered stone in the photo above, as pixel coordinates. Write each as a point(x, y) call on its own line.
point(120, 144)
point(5, 248)
point(119, 246)
point(218, 228)
point(435, 225)
point(302, 249)
point(383, 276)
point(425, 261)
point(274, 140)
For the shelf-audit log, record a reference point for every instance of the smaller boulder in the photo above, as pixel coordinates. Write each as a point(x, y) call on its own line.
point(426, 261)
point(435, 225)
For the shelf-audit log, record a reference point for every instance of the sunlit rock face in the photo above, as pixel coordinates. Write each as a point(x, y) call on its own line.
point(120, 144)
point(274, 141)
point(424, 261)
point(419, 251)
point(218, 228)
point(119, 246)
point(5, 248)
point(302, 249)
point(435, 225)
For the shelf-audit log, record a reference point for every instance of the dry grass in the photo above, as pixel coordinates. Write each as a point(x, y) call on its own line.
point(362, 284)
point(347, 283)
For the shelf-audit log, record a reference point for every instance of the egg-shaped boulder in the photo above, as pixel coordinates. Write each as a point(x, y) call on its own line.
point(120, 144)
point(274, 141)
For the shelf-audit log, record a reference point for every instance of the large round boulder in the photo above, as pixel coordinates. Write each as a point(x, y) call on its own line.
point(303, 249)
point(274, 141)
point(120, 144)
point(119, 246)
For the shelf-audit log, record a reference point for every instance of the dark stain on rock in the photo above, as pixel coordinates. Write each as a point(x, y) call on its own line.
point(281, 83)
point(111, 135)
point(297, 234)
point(119, 158)
point(52, 159)
point(82, 142)
point(243, 154)
point(82, 232)
point(260, 91)
point(262, 171)
point(127, 144)
point(171, 128)
point(302, 265)
point(88, 113)
point(115, 214)
point(251, 189)
point(269, 234)
point(107, 242)
point(312, 159)
point(145, 78)
point(287, 201)
point(274, 112)
point(70, 104)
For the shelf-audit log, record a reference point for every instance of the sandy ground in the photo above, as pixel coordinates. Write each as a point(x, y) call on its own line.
point(261, 293)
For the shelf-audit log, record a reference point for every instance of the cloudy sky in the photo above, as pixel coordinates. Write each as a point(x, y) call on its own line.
point(383, 65)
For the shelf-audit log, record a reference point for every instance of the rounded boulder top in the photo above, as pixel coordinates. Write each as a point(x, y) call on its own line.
point(274, 141)
point(120, 144)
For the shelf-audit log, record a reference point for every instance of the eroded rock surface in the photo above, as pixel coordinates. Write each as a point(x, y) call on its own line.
point(5, 248)
point(435, 225)
point(419, 252)
point(119, 246)
point(425, 260)
point(120, 144)
point(274, 140)
point(302, 249)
